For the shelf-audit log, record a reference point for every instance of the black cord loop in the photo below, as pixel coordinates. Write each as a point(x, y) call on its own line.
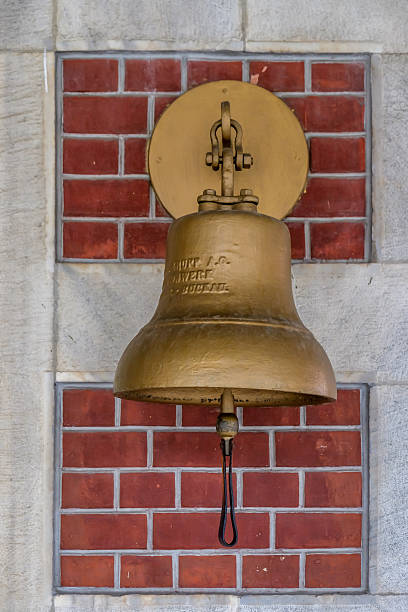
point(227, 452)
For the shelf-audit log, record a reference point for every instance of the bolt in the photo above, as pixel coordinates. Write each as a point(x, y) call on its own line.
point(209, 192)
point(248, 160)
point(246, 192)
point(208, 159)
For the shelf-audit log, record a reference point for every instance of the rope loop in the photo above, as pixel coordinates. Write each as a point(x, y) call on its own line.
point(226, 447)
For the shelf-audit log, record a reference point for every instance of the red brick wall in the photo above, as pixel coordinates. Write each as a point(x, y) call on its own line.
point(139, 485)
point(139, 492)
point(110, 104)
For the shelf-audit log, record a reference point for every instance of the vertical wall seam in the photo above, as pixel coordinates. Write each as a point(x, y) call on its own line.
point(301, 476)
point(369, 160)
point(116, 570)
point(244, 23)
point(302, 569)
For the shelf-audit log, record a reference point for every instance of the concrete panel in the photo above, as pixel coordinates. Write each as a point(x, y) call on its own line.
point(26, 333)
point(388, 490)
point(327, 26)
point(149, 24)
point(351, 309)
point(390, 157)
point(26, 25)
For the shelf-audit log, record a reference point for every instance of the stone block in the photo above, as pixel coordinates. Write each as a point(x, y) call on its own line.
point(149, 25)
point(230, 603)
point(388, 489)
point(352, 310)
point(327, 26)
point(390, 157)
point(26, 25)
point(101, 307)
point(27, 304)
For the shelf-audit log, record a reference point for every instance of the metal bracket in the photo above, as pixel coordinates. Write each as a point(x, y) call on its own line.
point(273, 135)
point(228, 153)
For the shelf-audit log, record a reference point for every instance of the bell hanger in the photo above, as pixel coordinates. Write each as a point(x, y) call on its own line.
point(272, 134)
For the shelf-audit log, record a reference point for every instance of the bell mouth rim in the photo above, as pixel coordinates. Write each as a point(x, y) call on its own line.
point(211, 396)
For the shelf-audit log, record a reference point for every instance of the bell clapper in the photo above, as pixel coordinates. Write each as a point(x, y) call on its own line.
point(227, 429)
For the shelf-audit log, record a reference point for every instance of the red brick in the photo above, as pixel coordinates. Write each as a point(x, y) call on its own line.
point(345, 411)
point(270, 571)
point(333, 571)
point(160, 211)
point(202, 72)
point(337, 77)
point(160, 105)
point(269, 416)
point(91, 571)
point(100, 449)
point(90, 156)
point(273, 489)
point(90, 75)
point(337, 240)
point(203, 490)
point(153, 75)
point(200, 530)
point(318, 530)
point(147, 414)
point(297, 237)
point(278, 76)
point(332, 197)
point(333, 490)
point(329, 113)
point(90, 240)
point(105, 115)
point(147, 490)
point(88, 408)
point(87, 490)
point(200, 416)
point(106, 198)
point(317, 448)
point(103, 531)
point(251, 450)
point(135, 156)
point(145, 572)
point(337, 154)
point(146, 240)
point(207, 572)
point(202, 449)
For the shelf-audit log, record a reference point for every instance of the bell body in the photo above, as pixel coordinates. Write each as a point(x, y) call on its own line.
point(226, 319)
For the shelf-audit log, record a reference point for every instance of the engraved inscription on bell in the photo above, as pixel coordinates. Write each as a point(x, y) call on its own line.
point(197, 275)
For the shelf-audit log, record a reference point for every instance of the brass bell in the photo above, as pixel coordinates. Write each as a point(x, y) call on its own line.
point(226, 319)
point(226, 330)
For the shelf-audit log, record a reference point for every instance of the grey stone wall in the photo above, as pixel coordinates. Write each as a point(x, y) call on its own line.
point(67, 322)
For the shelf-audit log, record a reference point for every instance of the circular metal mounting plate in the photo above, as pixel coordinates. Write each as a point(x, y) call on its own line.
point(271, 134)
